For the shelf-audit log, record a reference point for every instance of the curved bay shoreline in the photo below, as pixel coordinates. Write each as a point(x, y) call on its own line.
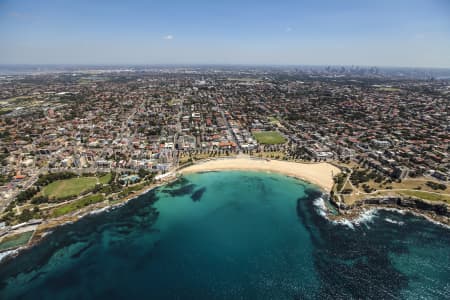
point(319, 174)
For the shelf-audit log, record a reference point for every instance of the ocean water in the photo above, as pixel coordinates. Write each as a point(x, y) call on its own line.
point(234, 235)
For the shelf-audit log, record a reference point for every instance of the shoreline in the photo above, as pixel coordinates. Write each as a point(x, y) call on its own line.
point(432, 212)
point(314, 173)
point(319, 174)
point(46, 228)
point(355, 216)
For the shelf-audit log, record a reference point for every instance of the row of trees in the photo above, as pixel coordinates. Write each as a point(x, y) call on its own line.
point(27, 194)
point(46, 179)
point(436, 185)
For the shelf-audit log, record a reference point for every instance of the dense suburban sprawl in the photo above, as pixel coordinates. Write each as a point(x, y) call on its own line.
point(137, 124)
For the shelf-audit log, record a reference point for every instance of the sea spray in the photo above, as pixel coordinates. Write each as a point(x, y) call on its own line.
point(321, 208)
point(365, 217)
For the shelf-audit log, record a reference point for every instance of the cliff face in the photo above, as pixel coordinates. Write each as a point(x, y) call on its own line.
point(440, 209)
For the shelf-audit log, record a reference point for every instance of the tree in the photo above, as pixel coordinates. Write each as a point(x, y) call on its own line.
point(143, 173)
point(25, 215)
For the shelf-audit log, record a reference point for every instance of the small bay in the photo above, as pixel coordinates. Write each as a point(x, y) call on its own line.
point(227, 235)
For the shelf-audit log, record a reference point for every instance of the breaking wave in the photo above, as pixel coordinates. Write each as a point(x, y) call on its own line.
point(321, 208)
point(364, 218)
point(404, 212)
point(5, 254)
point(367, 216)
point(394, 222)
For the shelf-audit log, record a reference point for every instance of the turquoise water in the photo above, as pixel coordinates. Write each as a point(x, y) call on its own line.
point(228, 235)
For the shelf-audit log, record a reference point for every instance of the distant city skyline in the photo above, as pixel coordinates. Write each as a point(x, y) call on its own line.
point(380, 33)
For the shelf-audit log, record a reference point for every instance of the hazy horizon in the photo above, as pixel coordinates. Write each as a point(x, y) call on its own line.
point(205, 65)
point(384, 34)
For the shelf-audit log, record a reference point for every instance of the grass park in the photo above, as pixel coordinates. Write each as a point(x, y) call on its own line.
point(78, 204)
point(427, 196)
point(73, 186)
point(269, 137)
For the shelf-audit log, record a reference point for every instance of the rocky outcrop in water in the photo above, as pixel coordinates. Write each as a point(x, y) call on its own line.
point(428, 208)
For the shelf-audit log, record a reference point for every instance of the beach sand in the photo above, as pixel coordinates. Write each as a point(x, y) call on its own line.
point(320, 174)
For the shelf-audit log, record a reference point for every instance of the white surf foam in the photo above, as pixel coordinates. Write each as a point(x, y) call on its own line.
point(367, 217)
point(364, 218)
point(5, 254)
point(100, 210)
point(345, 222)
point(321, 208)
point(403, 212)
point(394, 222)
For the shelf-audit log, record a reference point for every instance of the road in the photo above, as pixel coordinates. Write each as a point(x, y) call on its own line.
point(230, 130)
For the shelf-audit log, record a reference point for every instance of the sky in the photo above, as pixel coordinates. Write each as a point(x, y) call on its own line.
point(409, 33)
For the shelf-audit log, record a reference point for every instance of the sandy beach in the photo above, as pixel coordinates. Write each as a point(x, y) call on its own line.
point(320, 174)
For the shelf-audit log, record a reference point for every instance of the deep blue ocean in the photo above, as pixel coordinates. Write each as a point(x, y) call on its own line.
point(233, 235)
